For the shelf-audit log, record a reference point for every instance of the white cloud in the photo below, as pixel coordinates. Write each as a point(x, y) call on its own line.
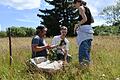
point(45, 5)
point(96, 6)
point(99, 22)
point(25, 20)
point(21, 4)
point(29, 19)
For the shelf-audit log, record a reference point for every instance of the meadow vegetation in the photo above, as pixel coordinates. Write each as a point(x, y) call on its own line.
point(105, 61)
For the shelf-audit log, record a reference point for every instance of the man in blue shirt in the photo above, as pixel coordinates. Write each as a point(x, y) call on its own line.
point(39, 46)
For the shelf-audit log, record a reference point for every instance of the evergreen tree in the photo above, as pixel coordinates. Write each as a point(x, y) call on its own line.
point(60, 15)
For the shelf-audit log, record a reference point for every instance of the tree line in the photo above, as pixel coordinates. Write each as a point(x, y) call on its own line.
point(18, 32)
point(107, 30)
point(29, 32)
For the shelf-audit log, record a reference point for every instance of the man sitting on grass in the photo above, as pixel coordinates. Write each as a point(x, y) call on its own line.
point(39, 46)
point(63, 45)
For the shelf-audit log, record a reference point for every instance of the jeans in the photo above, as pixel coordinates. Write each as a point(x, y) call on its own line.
point(84, 50)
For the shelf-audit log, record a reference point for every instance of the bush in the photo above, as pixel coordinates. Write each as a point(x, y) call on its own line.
point(3, 34)
point(107, 30)
point(21, 32)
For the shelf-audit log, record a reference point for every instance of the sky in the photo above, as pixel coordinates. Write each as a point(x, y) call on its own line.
point(24, 12)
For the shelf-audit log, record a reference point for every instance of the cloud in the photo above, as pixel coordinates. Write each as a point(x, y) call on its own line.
point(45, 5)
point(21, 4)
point(99, 22)
point(26, 20)
point(96, 7)
point(29, 19)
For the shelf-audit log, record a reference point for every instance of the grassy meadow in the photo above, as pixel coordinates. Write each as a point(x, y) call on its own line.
point(105, 61)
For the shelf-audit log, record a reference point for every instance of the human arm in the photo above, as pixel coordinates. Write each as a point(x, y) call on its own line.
point(92, 19)
point(65, 55)
point(82, 13)
point(36, 41)
point(37, 48)
point(75, 28)
point(66, 50)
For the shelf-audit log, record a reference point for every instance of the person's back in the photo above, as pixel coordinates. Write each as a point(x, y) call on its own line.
point(88, 15)
point(84, 31)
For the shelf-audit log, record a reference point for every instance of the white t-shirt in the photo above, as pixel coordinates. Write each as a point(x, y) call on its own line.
point(57, 40)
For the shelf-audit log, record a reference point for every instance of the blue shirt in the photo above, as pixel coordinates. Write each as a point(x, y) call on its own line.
point(40, 42)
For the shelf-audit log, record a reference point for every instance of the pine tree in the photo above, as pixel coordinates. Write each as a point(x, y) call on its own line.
point(60, 15)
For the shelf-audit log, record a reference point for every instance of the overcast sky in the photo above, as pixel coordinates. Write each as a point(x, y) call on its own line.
point(24, 12)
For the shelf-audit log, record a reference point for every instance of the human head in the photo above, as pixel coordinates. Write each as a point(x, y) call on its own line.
point(84, 3)
point(77, 3)
point(63, 30)
point(41, 31)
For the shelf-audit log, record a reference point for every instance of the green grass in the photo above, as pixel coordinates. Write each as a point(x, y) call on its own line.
point(105, 61)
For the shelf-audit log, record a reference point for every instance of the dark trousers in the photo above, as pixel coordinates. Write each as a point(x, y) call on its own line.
point(61, 57)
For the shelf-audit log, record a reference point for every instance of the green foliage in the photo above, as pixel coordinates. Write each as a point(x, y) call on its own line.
point(107, 30)
point(60, 15)
point(105, 61)
point(21, 32)
point(3, 34)
point(29, 31)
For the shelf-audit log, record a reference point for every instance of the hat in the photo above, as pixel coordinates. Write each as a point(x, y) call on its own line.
point(41, 28)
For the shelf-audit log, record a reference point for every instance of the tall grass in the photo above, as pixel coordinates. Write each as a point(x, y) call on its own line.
point(105, 61)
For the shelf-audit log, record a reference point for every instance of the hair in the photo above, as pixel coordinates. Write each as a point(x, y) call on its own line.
point(63, 28)
point(37, 31)
point(39, 28)
point(82, 2)
point(77, 1)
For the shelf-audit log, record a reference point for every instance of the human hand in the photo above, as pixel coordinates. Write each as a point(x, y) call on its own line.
point(75, 28)
point(54, 46)
point(51, 46)
point(48, 46)
point(65, 63)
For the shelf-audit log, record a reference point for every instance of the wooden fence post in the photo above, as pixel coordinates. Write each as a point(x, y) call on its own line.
point(10, 46)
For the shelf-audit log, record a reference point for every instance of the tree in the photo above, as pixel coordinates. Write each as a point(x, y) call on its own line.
point(112, 13)
point(17, 32)
point(21, 31)
point(3, 34)
point(60, 15)
point(29, 31)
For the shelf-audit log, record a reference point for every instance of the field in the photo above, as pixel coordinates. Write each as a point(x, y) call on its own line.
point(105, 61)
